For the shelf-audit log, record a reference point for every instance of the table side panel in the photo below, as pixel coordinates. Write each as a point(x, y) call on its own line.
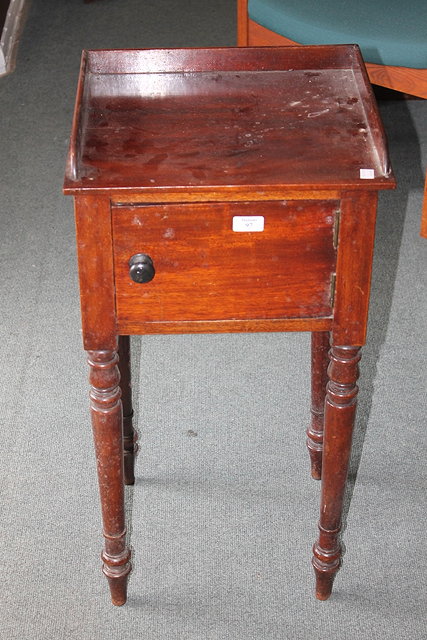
point(96, 274)
point(354, 267)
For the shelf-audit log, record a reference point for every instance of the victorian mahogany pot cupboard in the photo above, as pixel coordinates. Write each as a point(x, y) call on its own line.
point(225, 190)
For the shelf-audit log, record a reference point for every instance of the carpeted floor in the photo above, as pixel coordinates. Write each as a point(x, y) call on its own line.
point(221, 522)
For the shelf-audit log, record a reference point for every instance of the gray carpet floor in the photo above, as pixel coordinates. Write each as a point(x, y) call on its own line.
point(221, 522)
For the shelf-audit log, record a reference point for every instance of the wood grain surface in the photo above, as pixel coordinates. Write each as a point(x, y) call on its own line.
point(207, 271)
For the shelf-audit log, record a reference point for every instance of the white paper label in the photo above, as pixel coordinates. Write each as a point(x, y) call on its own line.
point(367, 174)
point(248, 223)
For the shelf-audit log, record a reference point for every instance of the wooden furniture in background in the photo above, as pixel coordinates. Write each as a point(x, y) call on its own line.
point(225, 190)
point(406, 79)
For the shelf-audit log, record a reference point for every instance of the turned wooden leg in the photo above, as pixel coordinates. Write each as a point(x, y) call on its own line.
point(130, 446)
point(319, 379)
point(106, 414)
point(340, 410)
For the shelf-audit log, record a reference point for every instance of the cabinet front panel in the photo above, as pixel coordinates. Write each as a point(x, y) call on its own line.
point(225, 261)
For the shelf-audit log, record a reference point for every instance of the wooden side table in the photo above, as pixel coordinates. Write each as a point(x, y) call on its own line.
point(225, 190)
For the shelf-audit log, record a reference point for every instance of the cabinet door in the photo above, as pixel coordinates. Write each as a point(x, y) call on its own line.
point(225, 261)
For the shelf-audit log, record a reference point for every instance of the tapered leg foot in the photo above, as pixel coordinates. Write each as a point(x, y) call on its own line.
point(324, 583)
point(340, 410)
point(117, 576)
point(319, 379)
point(326, 561)
point(130, 446)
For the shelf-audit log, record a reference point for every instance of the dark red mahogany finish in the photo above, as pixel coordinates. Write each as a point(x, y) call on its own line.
point(129, 434)
point(319, 379)
point(225, 190)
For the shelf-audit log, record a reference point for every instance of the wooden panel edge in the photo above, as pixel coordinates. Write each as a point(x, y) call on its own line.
point(226, 326)
point(71, 171)
point(220, 196)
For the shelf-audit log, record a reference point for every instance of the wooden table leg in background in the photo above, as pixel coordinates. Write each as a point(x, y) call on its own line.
point(107, 424)
point(319, 378)
point(129, 434)
point(424, 212)
point(340, 410)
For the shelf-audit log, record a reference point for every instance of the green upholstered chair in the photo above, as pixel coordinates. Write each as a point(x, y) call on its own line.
point(392, 36)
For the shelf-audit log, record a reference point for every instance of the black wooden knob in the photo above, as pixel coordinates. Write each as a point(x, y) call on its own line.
point(141, 268)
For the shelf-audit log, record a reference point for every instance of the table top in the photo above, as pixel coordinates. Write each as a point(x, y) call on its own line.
point(240, 118)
